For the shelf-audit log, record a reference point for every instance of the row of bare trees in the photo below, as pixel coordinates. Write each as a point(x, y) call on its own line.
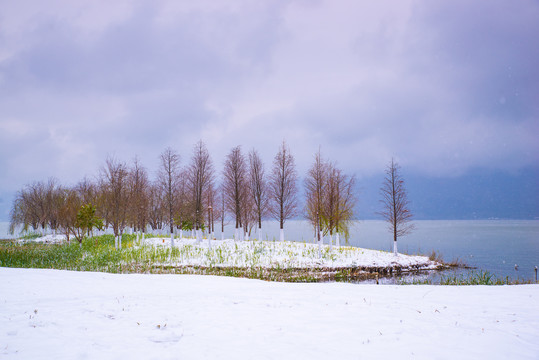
point(187, 198)
point(250, 196)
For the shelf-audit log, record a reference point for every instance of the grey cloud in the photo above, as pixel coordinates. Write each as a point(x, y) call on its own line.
point(490, 54)
point(452, 85)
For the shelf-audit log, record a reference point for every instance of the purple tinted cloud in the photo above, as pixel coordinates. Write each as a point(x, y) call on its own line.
point(446, 87)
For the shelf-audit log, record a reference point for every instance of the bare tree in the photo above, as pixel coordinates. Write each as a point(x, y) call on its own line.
point(283, 188)
point(155, 206)
point(257, 187)
point(101, 199)
point(200, 177)
point(71, 203)
point(168, 176)
point(18, 214)
point(330, 201)
point(315, 184)
point(248, 212)
point(23, 211)
point(235, 185)
point(220, 212)
point(395, 204)
point(346, 203)
point(212, 202)
point(36, 205)
point(139, 193)
point(87, 191)
point(52, 203)
point(184, 204)
point(339, 202)
point(114, 179)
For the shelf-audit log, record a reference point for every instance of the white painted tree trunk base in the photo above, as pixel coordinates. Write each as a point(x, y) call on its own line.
point(395, 248)
point(330, 241)
point(236, 234)
point(259, 234)
point(172, 239)
point(281, 235)
point(337, 240)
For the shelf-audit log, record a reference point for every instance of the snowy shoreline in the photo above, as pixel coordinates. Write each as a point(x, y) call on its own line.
point(65, 315)
point(268, 260)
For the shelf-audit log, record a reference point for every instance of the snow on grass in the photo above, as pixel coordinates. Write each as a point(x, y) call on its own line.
point(46, 239)
point(282, 261)
point(287, 254)
point(66, 315)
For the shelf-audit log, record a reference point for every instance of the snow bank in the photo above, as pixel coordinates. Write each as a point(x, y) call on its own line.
point(287, 254)
point(65, 315)
point(47, 239)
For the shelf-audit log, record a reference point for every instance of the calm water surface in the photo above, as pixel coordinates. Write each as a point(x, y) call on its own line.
point(490, 245)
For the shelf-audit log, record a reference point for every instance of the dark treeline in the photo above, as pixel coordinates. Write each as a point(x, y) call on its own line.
point(192, 196)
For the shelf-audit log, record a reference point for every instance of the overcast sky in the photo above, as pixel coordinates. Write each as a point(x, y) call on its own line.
point(447, 87)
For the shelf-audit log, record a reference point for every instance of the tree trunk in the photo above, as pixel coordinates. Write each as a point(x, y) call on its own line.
point(337, 240)
point(395, 239)
point(281, 234)
point(320, 242)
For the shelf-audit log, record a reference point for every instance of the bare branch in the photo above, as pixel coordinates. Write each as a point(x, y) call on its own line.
point(395, 202)
point(168, 176)
point(283, 186)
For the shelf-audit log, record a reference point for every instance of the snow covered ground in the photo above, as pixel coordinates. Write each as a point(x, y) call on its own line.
point(47, 239)
point(285, 254)
point(53, 314)
point(270, 254)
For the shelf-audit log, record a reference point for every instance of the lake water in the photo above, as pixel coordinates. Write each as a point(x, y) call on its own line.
point(490, 245)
